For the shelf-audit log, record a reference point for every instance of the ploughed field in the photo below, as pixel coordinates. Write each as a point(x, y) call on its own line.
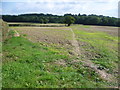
point(47, 57)
point(55, 35)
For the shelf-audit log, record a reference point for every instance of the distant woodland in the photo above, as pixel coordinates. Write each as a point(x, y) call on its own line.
point(49, 18)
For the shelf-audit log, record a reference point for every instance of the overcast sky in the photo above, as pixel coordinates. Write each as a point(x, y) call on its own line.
point(60, 7)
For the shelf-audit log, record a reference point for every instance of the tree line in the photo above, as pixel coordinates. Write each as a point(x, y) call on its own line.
point(78, 19)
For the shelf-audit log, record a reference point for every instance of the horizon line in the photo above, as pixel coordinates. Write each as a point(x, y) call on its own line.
point(61, 14)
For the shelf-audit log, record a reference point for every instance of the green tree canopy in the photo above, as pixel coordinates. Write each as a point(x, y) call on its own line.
point(69, 20)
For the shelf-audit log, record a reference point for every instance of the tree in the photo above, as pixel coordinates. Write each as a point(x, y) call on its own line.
point(45, 20)
point(92, 20)
point(79, 14)
point(69, 20)
point(49, 18)
point(104, 21)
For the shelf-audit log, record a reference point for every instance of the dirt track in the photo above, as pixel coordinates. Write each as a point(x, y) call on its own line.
point(75, 44)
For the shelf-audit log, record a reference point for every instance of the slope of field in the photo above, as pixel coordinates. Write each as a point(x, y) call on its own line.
point(47, 59)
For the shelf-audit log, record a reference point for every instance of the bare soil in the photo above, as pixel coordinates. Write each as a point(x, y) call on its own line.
point(110, 30)
point(55, 35)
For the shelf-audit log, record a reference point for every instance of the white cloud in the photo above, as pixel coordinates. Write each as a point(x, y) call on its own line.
point(59, 0)
point(100, 7)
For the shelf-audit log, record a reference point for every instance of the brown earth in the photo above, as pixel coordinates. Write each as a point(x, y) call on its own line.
point(55, 35)
point(110, 30)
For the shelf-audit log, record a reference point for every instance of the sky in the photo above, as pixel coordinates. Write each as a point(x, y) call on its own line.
point(60, 7)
